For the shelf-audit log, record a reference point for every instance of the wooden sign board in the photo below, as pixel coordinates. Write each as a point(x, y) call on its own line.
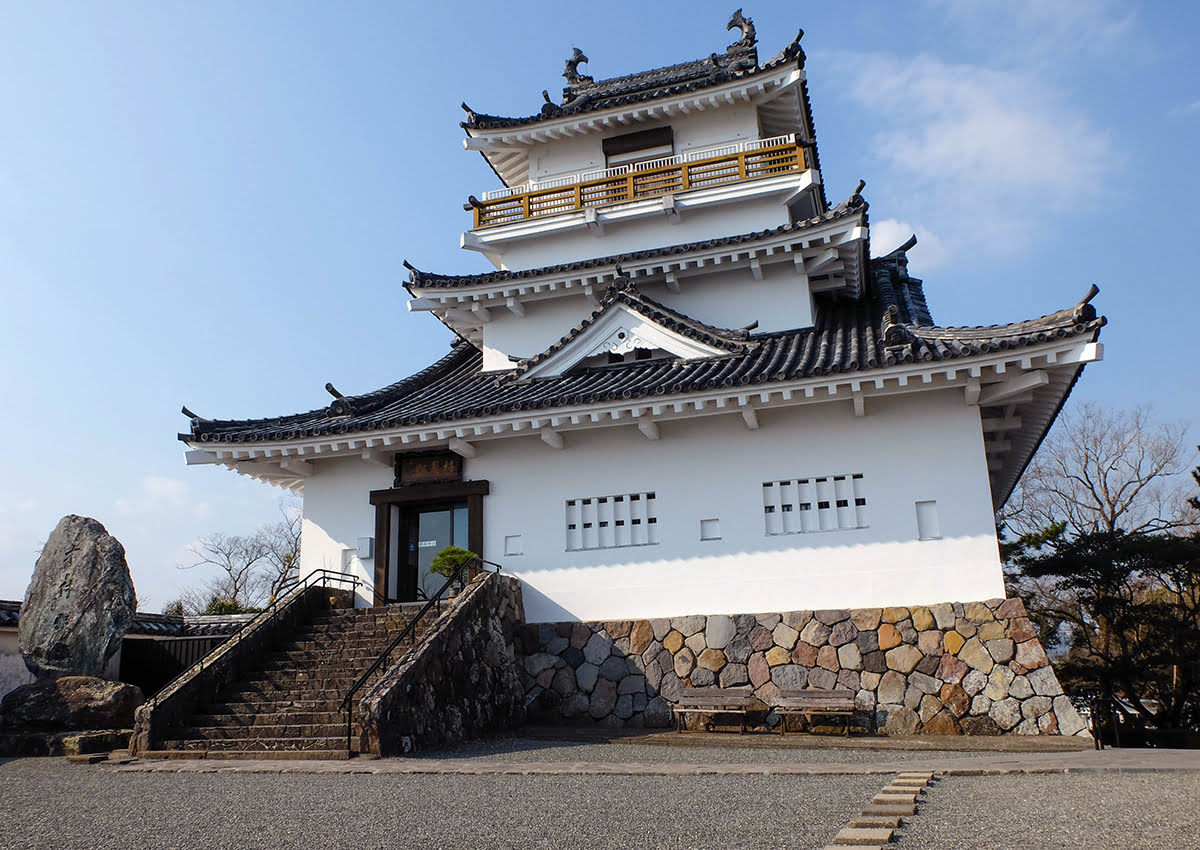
point(427, 468)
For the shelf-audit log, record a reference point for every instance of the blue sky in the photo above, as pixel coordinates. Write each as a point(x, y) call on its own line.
point(210, 204)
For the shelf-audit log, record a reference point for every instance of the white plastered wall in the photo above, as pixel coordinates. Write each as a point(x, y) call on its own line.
point(644, 232)
point(337, 512)
point(731, 123)
point(927, 446)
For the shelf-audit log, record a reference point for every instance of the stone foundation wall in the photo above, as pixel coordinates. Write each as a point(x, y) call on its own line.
point(973, 668)
point(458, 683)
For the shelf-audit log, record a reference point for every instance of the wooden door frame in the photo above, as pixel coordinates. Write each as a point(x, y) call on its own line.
point(421, 496)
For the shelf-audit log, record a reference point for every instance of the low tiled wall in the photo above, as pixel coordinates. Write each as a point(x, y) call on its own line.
point(973, 668)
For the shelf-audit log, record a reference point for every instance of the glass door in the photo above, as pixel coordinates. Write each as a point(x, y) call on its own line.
point(416, 534)
point(437, 529)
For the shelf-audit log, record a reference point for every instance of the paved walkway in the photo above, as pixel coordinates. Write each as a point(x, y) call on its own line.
point(634, 757)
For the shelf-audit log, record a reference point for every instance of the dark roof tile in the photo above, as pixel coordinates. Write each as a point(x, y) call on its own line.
point(427, 280)
point(890, 325)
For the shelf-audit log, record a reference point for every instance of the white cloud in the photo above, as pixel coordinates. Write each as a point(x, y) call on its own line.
point(1185, 109)
point(890, 234)
point(1043, 30)
point(160, 493)
point(983, 157)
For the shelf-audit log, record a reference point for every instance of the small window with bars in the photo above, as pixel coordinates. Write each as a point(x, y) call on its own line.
point(803, 505)
point(610, 522)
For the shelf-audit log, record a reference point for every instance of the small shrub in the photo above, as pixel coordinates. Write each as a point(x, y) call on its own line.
point(450, 559)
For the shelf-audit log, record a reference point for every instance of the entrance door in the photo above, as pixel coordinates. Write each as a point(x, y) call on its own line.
point(413, 523)
point(416, 534)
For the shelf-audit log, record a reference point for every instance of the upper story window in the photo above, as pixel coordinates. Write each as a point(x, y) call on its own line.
point(639, 147)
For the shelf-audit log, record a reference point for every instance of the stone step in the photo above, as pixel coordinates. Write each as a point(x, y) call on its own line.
point(257, 745)
point(873, 836)
point(258, 719)
point(313, 680)
point(346, 657)
point(277, 696)
point(250, 710)
point(319, 631)
point(294, 732)
point(274, 755)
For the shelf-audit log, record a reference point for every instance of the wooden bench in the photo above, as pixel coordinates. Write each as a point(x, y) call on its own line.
point(807, 702)
point(711, 701)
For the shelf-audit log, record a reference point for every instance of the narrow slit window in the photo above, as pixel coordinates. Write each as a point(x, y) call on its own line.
point(611, 522)
point(823, 503)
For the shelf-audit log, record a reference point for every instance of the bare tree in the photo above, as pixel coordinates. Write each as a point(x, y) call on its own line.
point(281, 545)
point(252, 569)
point(239, 560)
point(1106, 470)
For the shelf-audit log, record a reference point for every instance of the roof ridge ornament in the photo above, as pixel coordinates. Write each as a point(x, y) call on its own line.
point(894, 331)
point(571, 71)
point(1084, 311)
point(856, 199)
point(749, 37)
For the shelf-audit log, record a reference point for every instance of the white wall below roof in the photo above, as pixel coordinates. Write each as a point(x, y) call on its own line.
point(781, 301)
point(924, 446)
point(336, 513)
point(644, 233)
point(730, 123)
point(927, 446)
point(727, 299)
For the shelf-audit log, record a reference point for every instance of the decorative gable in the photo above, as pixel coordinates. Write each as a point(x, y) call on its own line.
point(627, 323)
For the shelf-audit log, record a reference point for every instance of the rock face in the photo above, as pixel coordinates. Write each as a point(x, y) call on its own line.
point(79, 604)
point(948, 669)
point(76, 703)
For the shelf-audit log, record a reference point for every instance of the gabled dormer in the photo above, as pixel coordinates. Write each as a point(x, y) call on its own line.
point(628, 327)
point(690, 151)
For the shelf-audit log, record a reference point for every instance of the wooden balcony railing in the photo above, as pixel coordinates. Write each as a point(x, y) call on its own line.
point(700, 170)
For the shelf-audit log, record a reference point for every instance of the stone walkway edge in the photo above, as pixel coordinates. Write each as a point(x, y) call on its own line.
point(469, 768)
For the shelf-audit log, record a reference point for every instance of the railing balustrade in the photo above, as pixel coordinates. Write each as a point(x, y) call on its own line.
point(693, 170)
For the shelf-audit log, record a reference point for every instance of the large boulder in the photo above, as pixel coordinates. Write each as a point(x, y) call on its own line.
point(79, 604)
point(70, 703)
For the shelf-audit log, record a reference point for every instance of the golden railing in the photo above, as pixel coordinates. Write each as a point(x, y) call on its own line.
point(642, 182)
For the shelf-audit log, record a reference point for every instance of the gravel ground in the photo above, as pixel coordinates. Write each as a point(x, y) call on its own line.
point(1121, 811)
point(50, 803)
point(528, 750)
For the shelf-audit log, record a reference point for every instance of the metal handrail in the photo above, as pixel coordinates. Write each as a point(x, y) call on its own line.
point(409, 632)
point(322, 576)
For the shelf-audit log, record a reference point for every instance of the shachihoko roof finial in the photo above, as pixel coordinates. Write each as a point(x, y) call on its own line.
point(856, 198)
point(746, 25)
point(571, 71)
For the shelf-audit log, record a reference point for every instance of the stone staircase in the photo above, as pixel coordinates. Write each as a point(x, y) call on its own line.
point(289, 706)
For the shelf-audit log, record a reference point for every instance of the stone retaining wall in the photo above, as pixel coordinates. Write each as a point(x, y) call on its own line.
point(458, 683)
point(973, 668)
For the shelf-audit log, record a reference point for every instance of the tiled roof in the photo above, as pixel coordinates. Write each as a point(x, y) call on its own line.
point(890, 325)
point(589, 96)
point(10, 613)
point(151, 624)
point(428, 280)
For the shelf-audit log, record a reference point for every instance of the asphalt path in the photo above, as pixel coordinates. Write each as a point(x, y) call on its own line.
point(48, 803)
point(1097, 811)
